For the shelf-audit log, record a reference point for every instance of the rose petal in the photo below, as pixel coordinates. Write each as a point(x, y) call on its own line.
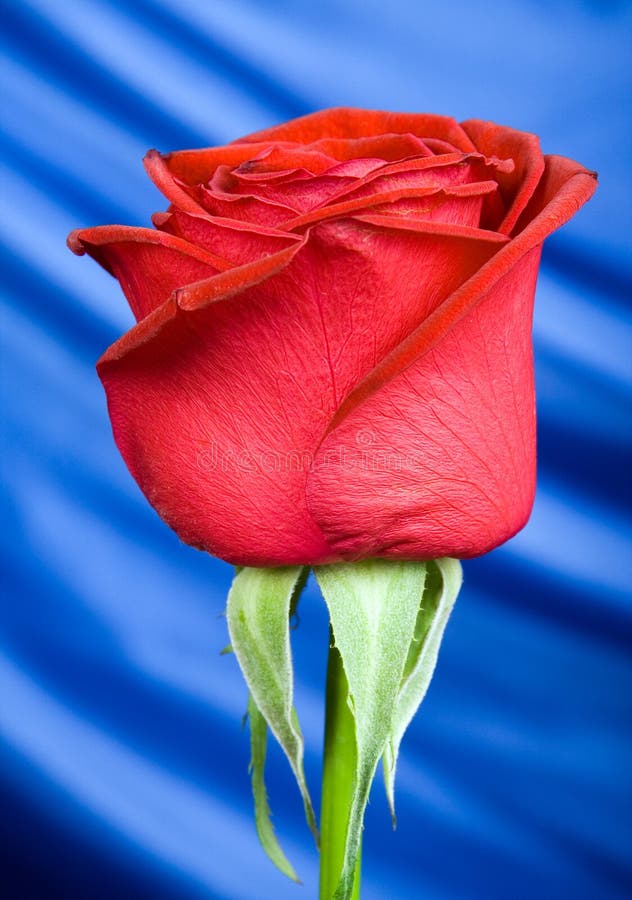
point(349, 123)
point(442, 462)
point(197, 166)
point(438, 147)
point(149, 264)
point(243, 175)
point(441, 171)
point(288, 156)
point(173, 188)
point(303, 195)
point(355, 168)
point(245, 208)
point(301, 190)
point(518, 186)
point(181, 176)
point(460, 204)
point(238, 242)
point(389, 147)
point(199, 294)
point(239, 380)
point(560, 176)
point(299, 195)
point(447, 419)
point(565, 187)
point(444, 208)
point(422, 226)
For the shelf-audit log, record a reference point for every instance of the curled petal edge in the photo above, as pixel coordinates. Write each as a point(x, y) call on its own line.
point(524, 149)
point(82, 239)
point(196, 296)
point(349, 122)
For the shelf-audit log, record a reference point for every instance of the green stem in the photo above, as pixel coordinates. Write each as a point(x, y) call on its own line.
point(339, 772)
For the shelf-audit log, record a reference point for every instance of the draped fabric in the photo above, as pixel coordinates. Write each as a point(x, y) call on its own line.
point(123, 765)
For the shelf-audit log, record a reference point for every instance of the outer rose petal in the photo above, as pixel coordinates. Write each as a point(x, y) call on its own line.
point(197, 166)
point(442, 463)
point(434, 454)
point(238, 385)
point(390, 147)
point(349, 123)
point(148, 264)
point(172, 172)
point(560, 176)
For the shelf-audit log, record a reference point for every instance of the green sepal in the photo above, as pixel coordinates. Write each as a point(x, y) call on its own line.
point(258, 612)
point(373, 607)
point(443, 582)
point(265, 830)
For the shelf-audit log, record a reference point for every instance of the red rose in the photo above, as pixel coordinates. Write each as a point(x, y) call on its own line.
point(333, 356)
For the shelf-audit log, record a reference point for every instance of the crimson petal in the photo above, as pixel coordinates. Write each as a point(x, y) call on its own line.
point(524, 149)
point(351, 123)
point(433, 454)
point(149, 264)
point(240, 375)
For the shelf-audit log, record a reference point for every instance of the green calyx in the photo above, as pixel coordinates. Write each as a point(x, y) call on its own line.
point(387, 619)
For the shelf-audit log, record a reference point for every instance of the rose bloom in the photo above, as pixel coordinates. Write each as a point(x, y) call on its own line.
point(332, 358)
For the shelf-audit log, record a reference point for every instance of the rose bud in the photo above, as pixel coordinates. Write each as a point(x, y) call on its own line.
point(333, 359)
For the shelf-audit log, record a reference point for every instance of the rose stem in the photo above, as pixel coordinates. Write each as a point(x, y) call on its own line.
point(339, 768)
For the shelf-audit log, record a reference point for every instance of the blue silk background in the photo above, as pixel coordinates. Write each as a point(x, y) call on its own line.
point(123, 760)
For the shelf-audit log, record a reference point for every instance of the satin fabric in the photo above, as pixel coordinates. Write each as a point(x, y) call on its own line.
point(123, 763)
